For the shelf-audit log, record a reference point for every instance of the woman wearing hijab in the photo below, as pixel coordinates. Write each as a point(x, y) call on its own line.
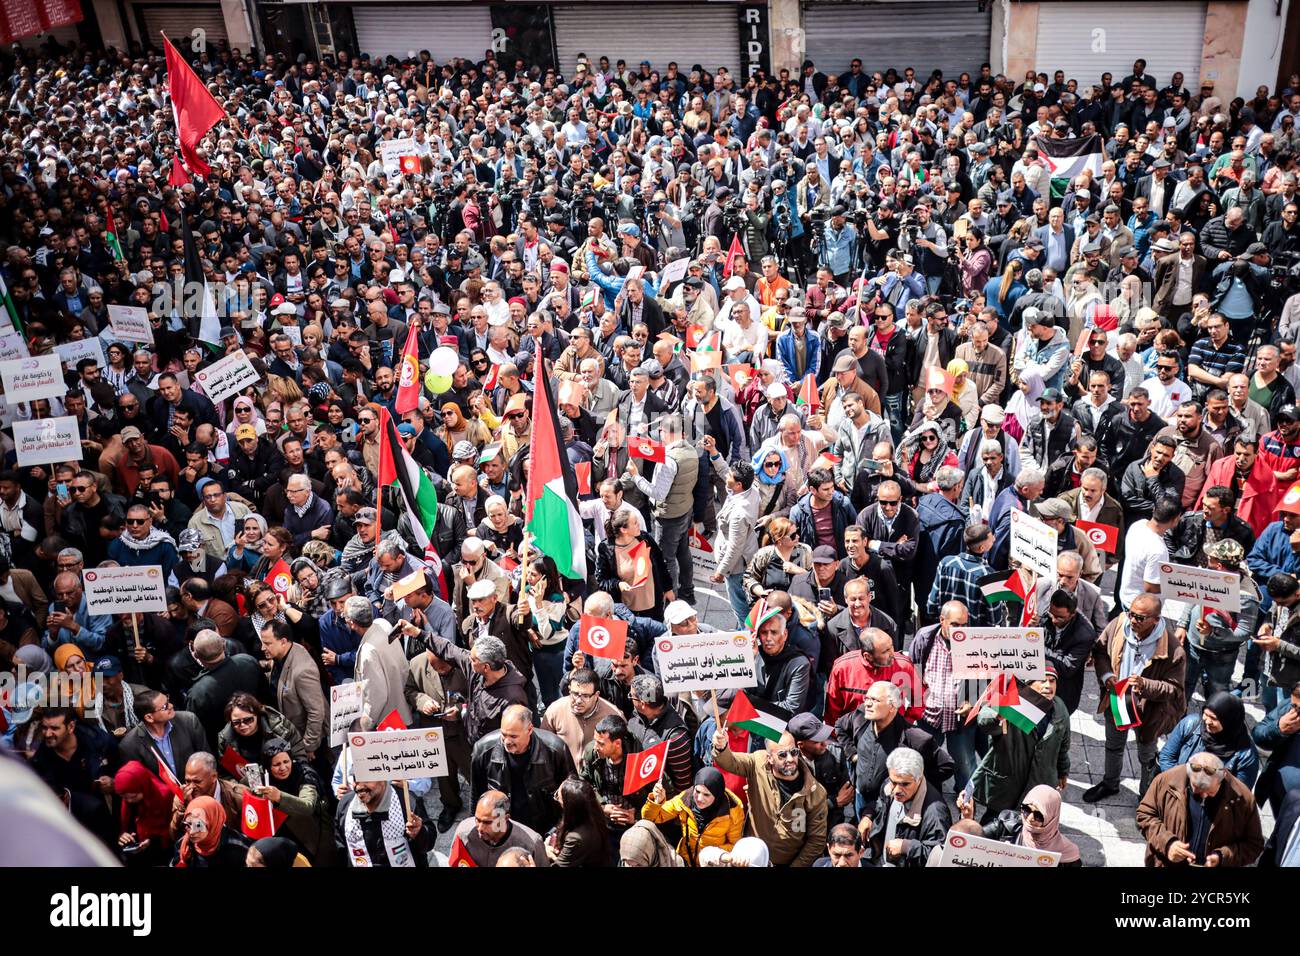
point(295, 790)
point(144, 837)
point(274, 853)
point(708, 813)
point(643, 845)
point(1221, 729)
point(208, 842)
point(246, 552)
point(456, 427)
point(748, 852)
point(964, 394)
point(776, 496)
point(938, 407)
point(923, 451)
point(1036, 824)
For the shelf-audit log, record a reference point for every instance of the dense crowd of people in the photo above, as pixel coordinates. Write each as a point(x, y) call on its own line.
point(861, 325)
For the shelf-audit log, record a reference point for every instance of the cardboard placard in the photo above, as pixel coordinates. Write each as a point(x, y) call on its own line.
point(47, 441)
point(227, 376)
point(28, 379)
point(1220, 590)
point(713, 661)
point(398, 754)
point(125, 590)
point(1033, 544)
point(347, 703)
point(391, 152)
point(965, 849)
point(979, 652)
point(131, 324)
point(73, 352)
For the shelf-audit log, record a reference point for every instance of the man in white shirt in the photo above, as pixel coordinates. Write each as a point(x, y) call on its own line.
point(1145, 551)
point(1166, 389)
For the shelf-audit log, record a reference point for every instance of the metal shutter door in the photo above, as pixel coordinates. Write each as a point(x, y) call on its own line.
point(446, 32)
point(952, 36)
point(179, 21)
point(66, 36)
point(658, 32)
point(1066, 37)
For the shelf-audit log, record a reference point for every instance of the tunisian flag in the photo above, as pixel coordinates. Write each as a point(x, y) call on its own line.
point(644, 767)
point(258, 817)
point(196, 110)
point(602, 637)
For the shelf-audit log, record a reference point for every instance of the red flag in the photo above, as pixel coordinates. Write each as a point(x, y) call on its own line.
point(491, 381)
point(646, 448)
point(640, 555)
point(1104, 537)
point(162, 219)
point(808, 394)
point(258, 817)
point(694, 335)
point(410, 165)
point(582, 471)
point(178, 177)
point(1030, 609)
point(733, 253)
point(279, 578)
point(1105, 318)
point(392, 722)
point(641, 769)
point(166, 776)
point(195, 109)
point(705, 359)
point(601, 637)
point(408, 379)
point(459, 856)
point(734, 373)
point(698, 541)
point(232, 761)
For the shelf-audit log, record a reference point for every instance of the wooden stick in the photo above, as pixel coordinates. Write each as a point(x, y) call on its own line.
point(406, 793)
point(135, 626)
point(717, 721)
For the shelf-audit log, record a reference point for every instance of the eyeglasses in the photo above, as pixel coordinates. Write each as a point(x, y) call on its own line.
point(137, 521)
point(1033, 813)
point(889, 504)
point(579, 696)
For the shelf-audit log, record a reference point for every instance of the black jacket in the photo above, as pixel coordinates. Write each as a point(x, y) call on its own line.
point(1068, 650)
point(902, 361)
point(549, 764)
point(865, 752)
point(920, 836)
point(252, 476)
point(208, 697)
point(1127, 440)
point(187, 739)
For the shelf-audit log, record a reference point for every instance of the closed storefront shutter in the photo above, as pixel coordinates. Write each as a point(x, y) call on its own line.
point(1089, 39)
point(464, 30)
point(179, 21)
point(707, 34)
point(927, 35)
point(64, 36)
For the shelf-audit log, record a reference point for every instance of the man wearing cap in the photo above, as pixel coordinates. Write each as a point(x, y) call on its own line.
point(829, 766)
point(140, 455)
point(799, 349)
point(1050, 433)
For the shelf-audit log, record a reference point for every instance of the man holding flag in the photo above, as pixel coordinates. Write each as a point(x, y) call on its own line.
point(1142, 667)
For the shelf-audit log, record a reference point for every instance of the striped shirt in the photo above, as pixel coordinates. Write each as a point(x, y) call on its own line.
point(1225, 360)
point(955, 581)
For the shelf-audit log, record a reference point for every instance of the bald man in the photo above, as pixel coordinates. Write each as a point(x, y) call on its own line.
point(490, 833)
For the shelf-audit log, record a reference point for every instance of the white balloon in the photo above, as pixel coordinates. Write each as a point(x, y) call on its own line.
point(444, 360)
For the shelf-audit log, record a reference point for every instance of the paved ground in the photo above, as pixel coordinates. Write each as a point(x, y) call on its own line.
point(1106, 832)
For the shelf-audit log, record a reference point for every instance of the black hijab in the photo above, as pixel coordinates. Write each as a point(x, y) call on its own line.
point(277, 852)
point(711, 780)
point(297, 776)
point(1233, 737)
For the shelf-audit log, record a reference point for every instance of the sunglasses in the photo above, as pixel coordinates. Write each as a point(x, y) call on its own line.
point(1139, 618)
point(771, 465)
point(137, 521)
point(1034, 813)
point(929, 438)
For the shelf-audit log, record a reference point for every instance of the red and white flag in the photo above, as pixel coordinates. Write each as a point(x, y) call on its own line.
point(195, 109)
point(808, 393)
point(582, 472)
point(1104, 537)
point(459, 856)
point(640, 556)
point(602, 637)
point(279, 579)
point(232, 761)
point(410, 165)
point(258, 818)
point(644, 768)
point(166, 776)
point(408, 381)
point(392, 722)
point(646, 448)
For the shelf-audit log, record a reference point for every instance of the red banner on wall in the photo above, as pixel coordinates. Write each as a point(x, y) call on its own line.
point(25, 18)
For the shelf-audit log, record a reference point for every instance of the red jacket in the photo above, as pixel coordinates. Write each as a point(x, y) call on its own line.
point(851, 676)
point(1259, 494)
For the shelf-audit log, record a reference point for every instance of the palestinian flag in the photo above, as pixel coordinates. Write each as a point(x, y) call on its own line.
point(10, 310)
point(551, 512)
point(111, 235)
point(398, 468)
point(762, 611)
point(766, 720)
point(205, 325)
point(1123, 707)
point(808, 393)
point(1002, 586)
point(1023, 707)
point(1066, 158)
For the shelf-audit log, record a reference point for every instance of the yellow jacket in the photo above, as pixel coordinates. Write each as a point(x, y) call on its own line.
point(723, 830)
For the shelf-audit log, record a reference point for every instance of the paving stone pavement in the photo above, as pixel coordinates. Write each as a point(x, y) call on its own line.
point(1106, 832)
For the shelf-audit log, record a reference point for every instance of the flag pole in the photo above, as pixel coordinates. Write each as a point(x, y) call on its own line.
point(526, 549)
point(717, 721)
